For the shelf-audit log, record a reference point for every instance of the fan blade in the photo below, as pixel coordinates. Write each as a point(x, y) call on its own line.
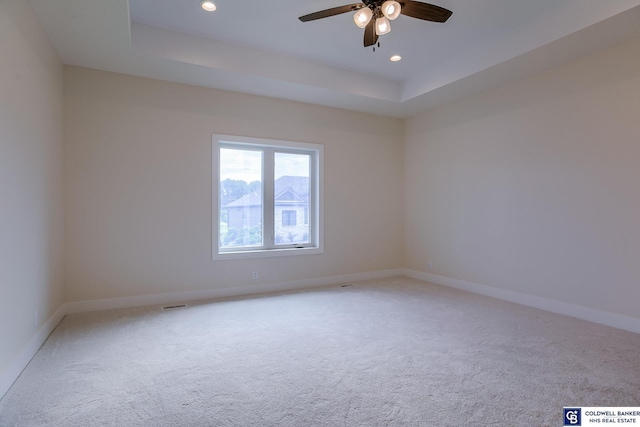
point(331, 12)
point(370, 36)
point(426, 11)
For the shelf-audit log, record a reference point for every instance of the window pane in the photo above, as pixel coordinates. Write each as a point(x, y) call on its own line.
point(289, 218)
point(240, 198)
point(291, 197)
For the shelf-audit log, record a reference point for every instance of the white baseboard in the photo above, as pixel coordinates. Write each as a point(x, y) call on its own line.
point(17, 365)
point(618, 321)
point(176, 297)
point(22, 359)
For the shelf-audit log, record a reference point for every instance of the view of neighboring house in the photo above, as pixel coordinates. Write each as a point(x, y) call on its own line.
point(291, 214)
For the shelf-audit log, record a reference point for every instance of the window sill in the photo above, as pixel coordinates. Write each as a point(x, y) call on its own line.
point(265, 253)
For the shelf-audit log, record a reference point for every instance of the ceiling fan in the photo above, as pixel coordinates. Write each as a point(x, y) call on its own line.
point(374, 15)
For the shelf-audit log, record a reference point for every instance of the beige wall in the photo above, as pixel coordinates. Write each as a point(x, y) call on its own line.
point(533, 187)
point(31, 208)
point(138, 186)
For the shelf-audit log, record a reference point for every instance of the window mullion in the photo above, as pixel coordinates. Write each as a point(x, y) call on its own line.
point(268, 197)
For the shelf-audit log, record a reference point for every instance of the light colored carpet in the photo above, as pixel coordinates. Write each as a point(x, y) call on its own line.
point(393, 352)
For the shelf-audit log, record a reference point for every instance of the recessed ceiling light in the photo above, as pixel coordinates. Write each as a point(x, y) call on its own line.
point(208, 5)
point(395, 58)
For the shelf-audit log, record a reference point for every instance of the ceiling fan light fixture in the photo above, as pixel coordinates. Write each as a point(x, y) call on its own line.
point(382, 26)
point(391, 9)
point(395, 58)
point(362, 17)
point(208, 5)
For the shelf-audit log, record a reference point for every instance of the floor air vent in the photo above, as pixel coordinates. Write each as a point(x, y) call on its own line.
point(171, 307)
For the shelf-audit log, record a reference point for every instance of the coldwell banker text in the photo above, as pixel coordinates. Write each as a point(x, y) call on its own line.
point(586, 416)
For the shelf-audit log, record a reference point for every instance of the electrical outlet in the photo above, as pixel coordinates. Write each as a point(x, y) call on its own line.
point(429, 265)
point(255, 275)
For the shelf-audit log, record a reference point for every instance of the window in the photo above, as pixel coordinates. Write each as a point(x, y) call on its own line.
point(289, 218)
point(267, 197)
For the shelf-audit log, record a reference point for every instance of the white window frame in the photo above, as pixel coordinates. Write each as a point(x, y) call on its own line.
point(316, 208)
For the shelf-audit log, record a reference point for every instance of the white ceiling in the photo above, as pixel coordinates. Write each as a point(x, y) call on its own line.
point(258, 47)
